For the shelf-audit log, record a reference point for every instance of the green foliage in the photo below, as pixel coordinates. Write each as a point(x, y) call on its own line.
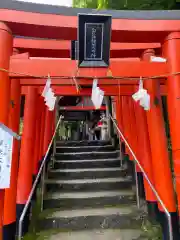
point(152, 231)
point(85, 3)
point(102, 4)
point(126, 4)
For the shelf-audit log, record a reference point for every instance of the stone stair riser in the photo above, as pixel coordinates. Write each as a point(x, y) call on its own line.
point(87, 156)
point(64, 204)
point(88, 190)
point(87, 174)
point(101, 186)
point(91, 222)
point(85, 149)
point(82, 143)
point(88, 164)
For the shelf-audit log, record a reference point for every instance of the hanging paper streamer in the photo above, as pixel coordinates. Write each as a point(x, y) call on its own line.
point(142, 96)
point(48, 95)
point(47, 87)
point(94, 86)
point(50, 100)
point(6, 144)
point(97, 95)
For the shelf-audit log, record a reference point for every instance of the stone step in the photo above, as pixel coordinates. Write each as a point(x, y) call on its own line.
point(89, 184)
point(98, 218)
point(99, 234)
point(86, 155)
point(67, 149)
point(84, 173)
point(87, 163)
point(83, 143)
point(71, 200)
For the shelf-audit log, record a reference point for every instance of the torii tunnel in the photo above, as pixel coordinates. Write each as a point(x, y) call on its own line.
point(35, 42)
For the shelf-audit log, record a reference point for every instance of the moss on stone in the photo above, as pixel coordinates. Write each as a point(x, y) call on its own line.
point(151, 231)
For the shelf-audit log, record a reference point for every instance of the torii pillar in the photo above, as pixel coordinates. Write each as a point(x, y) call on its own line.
point(9, 228)
point(40, 104)
point(144, 156)
point(160, 158)
point(171, 51)
point(6, 44)
point(25, 175)
point(47, 133)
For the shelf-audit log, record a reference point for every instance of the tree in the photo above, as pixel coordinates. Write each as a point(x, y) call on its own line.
point(85, 3)
point(126, 4)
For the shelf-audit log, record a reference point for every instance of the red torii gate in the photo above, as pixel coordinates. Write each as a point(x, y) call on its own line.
point(61, 26)
point(62, 49)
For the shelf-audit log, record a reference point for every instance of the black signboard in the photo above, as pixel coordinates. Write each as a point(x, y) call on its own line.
point(74, 115)
point(94, 36)
point(74, 50)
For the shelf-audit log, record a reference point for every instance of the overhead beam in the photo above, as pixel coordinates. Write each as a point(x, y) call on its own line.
point(62, 49)
point(46, 44)
point(83, 82)
point(72, 91)
point(127, 29)
point(68, 68)
point(125, 90)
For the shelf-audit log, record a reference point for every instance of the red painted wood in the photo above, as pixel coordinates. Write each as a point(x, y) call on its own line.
point(65, 27)
point(27, 147)
point(14, 119)
point(171, 50)
point(158, 142)
point(6, 51)
point(111, 90)
point(43, 67)
point(62, 49)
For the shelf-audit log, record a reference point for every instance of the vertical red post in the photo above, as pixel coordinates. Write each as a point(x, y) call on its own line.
point(133, 131)
point(159, 151)
point(6, 51)
point(171, 50)
point(119, 120)
point(47, 133)
point(26, 154)
point(37, 137)
point(47, 130)
point(134, 145)
point(9, 228)
point(41, 150)
point(119, 112)
point(144, 156)
point(127, 133)
point(125, 117)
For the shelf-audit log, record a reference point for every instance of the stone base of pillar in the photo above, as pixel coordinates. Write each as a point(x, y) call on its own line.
point(153, 211)
point(174, 223)
point(9, 231)
point(26, 222)
point(141, 185)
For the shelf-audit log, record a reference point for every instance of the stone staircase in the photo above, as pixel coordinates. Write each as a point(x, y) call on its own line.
point(88, 195)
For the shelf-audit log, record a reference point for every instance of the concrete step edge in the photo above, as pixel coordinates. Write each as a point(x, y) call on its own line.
point(79, 170)
point(88, 181)
point(107, 211)
point(87, 153)
point(77, 147)
point(89, 195)
point(88, 160)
